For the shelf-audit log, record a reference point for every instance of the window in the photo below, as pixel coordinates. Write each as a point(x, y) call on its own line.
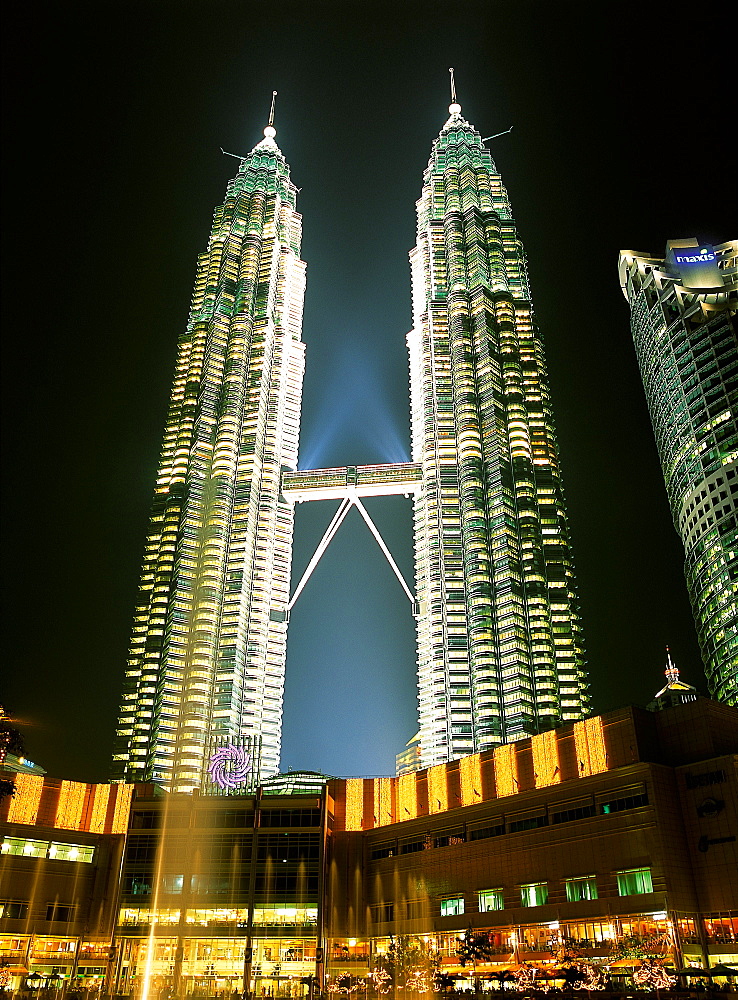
point(382, 851)
point(627, 802)
point(633, 882)
point(491, 899)
point(59, 911)
point(71, 852)
point(452, 906)
point(27, 848)
point(581, 888)
point(535, 894)
point(14, 911)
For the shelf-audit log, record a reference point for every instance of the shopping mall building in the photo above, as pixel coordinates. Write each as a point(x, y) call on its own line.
point(619, 827)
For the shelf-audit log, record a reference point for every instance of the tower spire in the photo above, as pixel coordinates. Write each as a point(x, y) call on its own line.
point(672, 671)
point(270, 131)
point(454, 107)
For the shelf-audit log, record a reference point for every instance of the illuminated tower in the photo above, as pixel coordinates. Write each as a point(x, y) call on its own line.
point(208, 649)
point(683, 320)
point(499, 638)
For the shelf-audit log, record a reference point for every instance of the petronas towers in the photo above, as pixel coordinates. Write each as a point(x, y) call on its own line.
point(498, 633)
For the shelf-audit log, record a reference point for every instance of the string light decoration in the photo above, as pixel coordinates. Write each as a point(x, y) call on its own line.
point(71, 801)
point(99, 808)
point(437, 789)
point(419, 982)
point(381, 980)
point(506, 770)
point(589, 742)
point(24, 804)
point(354, 803)
point(407, 797)
point(124, 794)
point(470, 772)
point(383, 801)
point(525, 977)
point(651, 975)
point(546, 767)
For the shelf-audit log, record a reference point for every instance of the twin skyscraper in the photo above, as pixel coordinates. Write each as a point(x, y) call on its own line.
point(499, 647)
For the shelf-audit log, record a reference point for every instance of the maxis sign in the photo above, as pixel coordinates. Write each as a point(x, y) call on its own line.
point(697, 265)
point(704, 255)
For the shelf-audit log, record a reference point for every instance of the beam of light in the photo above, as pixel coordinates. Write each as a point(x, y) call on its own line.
point(354, 406)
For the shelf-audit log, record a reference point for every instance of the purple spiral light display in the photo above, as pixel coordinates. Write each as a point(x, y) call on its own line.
point(229, 766)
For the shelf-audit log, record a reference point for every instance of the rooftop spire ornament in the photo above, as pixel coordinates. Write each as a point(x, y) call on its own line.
point(672, 671)
point(454, 107)
point(270, 131)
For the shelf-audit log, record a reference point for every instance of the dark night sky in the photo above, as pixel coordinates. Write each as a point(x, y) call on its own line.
point(114, 115)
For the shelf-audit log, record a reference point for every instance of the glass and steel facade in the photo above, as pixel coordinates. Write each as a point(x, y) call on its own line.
point(500, 653)
point(209, 639)
point(683, 320)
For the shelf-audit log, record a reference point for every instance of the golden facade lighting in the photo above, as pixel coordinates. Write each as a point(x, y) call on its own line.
point(354, 803)
point(24, 804)
point(437, 789)
point(546, 768)
point(123, 797)
point(407, 797)
point(99, 808)
point(71, 802)
point(470, 772)
point(589, 742)
point(506, 770)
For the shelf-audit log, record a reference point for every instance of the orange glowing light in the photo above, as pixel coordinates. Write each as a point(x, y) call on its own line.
point(124, 794)
point(99, 809)
point(354, 803)
point(546, 766)
point(437, 789)
point(407, 799)
point(24, 804)
point(506, 770)
point(71, 802)
point(383, 801)
point(589, 741)
point(470, 772)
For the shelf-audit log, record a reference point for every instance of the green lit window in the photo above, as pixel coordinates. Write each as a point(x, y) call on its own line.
point(581, 888)
point(71, 852)
point(452, 906)
point(26, 848)
point(535, 894)
point(633, 882)
point(491, 899)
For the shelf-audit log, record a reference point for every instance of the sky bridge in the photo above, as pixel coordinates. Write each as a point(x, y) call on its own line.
point(348, 485)
point(402, 478)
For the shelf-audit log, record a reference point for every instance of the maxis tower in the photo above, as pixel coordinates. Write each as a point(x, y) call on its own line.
point(499, 638)
point(208, 648)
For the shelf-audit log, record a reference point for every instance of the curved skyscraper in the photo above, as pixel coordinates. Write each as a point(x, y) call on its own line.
point(208, 648)
point(683, 320)
point(499, 636)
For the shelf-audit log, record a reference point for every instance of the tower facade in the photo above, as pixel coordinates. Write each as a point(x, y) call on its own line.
point(499, 637)
point(683, 321)
point(209, 639)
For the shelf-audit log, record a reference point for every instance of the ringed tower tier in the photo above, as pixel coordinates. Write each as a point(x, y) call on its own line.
point(500, 652)
point(208, 649)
